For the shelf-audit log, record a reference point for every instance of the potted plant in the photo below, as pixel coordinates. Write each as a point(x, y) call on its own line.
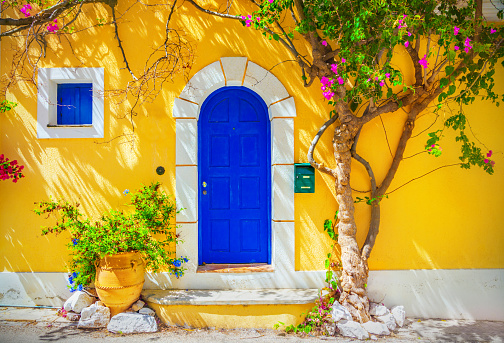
point(113, 250)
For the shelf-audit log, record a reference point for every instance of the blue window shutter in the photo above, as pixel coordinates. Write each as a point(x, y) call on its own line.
point(75, 103)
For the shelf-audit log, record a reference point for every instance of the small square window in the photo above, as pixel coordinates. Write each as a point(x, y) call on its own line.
point(75, 101)
point(70, 103)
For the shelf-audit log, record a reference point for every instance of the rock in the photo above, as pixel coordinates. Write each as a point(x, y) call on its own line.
point(399, 314)
point(388, 320)
point(378, 310)
point(339, 312)
point(353, 329)
point(373, 337)
point(138, 306)
point(94, 316)
point(78, 301)
point(74, 317)
point(376, 328)
point(132, 323)
point(147, 311)
point(330, 329)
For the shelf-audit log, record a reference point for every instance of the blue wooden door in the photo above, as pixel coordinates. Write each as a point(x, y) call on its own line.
point(234, 178)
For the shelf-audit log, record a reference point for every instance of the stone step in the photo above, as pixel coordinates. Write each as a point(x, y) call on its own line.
point(286, 296)
point(245, 308)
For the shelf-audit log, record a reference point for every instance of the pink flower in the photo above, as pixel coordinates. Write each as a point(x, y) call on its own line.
point(409, 34)
point(323, 88)
point(456, 48)
point(486, 160)
point(376, 78)
point(343, 60)
point(387, 75)
point(369, 80)
point(433, 145)
point(406, 44)
point(334, 68)
point(25, 9)
point(271, 1)
point(341, 80)
point(247, 23)
point(492, 163)
point(382, 83)
point(466, 49)
point(258, 18)
point(328, 95)
point(456, 30)
point(324, 43)
point(489, 154)
point(53, 28)
point(324, 80)
point(423, 62)
point(243, 17)
point(492, 30)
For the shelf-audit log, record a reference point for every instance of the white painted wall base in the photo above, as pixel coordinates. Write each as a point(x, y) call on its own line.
point(476, 294)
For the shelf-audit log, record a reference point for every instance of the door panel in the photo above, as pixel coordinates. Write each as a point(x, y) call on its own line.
point(234, 176)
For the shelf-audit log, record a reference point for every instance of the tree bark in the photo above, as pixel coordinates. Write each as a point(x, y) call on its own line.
point(355, 269)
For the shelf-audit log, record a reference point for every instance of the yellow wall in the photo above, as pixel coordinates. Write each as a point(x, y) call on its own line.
point(448, 219)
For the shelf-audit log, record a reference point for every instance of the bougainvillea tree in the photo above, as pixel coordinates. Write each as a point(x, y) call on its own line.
point(451, 49)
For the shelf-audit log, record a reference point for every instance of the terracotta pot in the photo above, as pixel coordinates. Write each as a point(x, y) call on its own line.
point(119, 280)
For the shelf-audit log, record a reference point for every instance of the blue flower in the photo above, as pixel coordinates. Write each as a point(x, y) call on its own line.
point(177, 263)
point(186, 259)
point(75, 241)
point(72, 289)
point(80, 288)
point(74, 275)
point(126, 191)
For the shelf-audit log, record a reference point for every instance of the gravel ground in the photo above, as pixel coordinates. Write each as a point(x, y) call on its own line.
point(50, 328)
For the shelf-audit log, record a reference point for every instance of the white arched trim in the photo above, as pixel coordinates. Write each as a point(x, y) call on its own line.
point(236, 71)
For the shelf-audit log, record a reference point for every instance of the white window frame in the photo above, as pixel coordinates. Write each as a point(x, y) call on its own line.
point(48, 80)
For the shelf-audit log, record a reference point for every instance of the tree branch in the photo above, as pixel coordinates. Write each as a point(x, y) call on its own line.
point(321, 167)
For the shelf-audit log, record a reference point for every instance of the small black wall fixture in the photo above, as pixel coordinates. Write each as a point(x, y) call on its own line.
point(160, 170)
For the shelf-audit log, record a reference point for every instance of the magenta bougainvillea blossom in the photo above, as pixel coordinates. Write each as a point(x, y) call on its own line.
point(492, 30)
point(456, 30)
point(334, 68)
point(467, 44)
point(406, 44)
point(10, 169)
point(25, 10)
point(53, 27)
point(423, 62)
point(324, 43)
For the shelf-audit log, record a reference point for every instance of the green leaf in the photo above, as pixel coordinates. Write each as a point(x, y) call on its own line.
point(449, 70)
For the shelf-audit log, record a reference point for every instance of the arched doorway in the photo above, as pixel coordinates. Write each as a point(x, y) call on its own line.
point(234, 178)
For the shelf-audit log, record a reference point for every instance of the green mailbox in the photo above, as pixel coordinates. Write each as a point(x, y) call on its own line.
point(304, 178)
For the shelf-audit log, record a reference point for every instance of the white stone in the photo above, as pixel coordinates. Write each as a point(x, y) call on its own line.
point(378, 310)
point(184, 109)
point(399, 314)
point(340, 312)
point(78, 301)
point(388, 320)
point(147, 311)
point(376, 328)
point(94, 317)
point(234, 70)
point(373, 337)
point(132, 323)
point(282, 131)
point(186, 192)
point(265, 83)
point(203, 83)
point(283, 192)
point(138, 305)
point(352, 329)
point(186, 145)
point(284, 108)
point(188, 245)
point(283, 247)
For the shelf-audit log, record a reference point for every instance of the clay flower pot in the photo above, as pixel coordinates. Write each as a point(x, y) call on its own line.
point(119, 280)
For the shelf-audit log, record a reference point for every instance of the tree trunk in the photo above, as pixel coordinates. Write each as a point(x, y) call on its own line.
point(355, 269)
